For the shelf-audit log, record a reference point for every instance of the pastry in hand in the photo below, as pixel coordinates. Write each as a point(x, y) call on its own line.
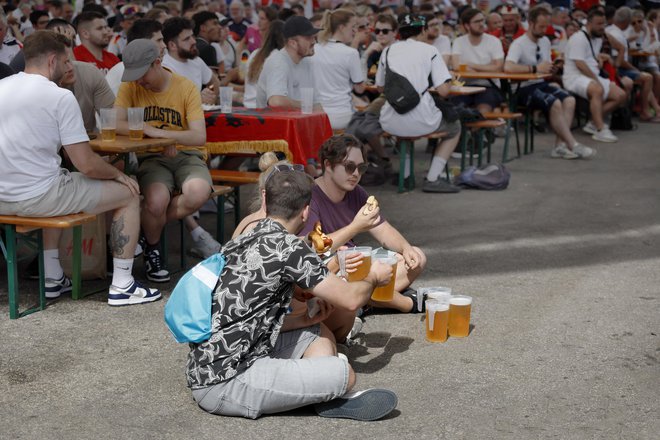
point(321, 242)
point(372, 204)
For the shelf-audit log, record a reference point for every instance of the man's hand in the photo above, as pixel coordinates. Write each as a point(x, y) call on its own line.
point(325, 309)
point(374, 47)
point(380, 273)
point(130, 183)
point(544, 67)
point(209, 96)
point(411, 257)
point(363, 222)
point(353, 260)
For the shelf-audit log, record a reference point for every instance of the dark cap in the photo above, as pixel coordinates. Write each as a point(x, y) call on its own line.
point(299, 25)
point(411, 20)
point(138, 55)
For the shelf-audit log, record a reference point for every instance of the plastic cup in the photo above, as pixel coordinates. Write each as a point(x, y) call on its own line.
point(460, 307)
point(363, 269)
point(306, 100)
point(226, 96)
point(108, 124)
point(135, 123)
point(462, 68)
point(386, 292)
point(437, 318)
point(435, 293)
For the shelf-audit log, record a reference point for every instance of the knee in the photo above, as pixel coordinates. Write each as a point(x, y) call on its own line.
point(595, 90)
point(196, 194)
point(569, 102)
point(156, 204)
point(557, 107)
point(351, 378)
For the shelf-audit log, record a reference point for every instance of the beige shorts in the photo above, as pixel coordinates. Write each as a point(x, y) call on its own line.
point(580, 84)
point(71, 193)
point(173, 171)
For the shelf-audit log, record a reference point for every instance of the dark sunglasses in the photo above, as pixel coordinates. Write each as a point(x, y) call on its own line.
point(362, 26)
point(285, 168)
point(383, 31)
point(350, 167)
point(637, 22)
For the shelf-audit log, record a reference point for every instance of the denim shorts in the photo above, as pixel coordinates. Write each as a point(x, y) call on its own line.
point(630, 73)
point(279, 382)
point(541, 96)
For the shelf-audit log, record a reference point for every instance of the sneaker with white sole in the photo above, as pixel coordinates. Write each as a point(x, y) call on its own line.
point(54, 288)
point(357, 328)
point(154, 267)
point(589, 128)
point(561, 151)
point(133, 294)
point(604, 135)
point(367, 405)
point(205, 246)
point(583, 151)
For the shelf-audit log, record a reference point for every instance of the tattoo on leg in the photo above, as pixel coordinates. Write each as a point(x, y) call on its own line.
point(117, 239)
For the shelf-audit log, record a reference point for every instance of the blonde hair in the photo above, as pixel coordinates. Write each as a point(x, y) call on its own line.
point(331, 22)
point(267, 162)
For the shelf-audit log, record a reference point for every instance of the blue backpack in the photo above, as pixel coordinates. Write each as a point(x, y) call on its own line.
point(188, 311)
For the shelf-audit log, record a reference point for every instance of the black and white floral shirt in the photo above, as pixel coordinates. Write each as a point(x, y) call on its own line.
point(251, 299)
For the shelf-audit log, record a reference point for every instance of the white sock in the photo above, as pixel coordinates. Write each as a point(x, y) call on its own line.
point(52, 266)
point(122, 273)
point(406, 168)
point(437, 167)
point(197, 233)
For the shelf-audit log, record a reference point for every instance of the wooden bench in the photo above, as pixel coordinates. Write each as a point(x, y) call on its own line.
point(235, 179)
point(510, 117)
point(31, 227)
point(479, 128)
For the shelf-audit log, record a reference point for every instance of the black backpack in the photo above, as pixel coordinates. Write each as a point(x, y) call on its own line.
point(398, 91)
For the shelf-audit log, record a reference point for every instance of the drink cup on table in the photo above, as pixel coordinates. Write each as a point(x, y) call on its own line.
point(108, 124)
point(385, 293)
point(437, 318)
point(226, 96)
point(136, 123)
point(460, 307)
point(306, 100)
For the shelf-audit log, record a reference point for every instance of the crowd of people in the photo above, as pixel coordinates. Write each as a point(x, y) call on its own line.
point(60, 65)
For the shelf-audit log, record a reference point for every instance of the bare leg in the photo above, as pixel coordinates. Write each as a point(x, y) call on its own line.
point(558, 123)
point(646, 82)
point(194, 193)
point(154, 209)
point(615, 99)
point(125, 226)
point(51, 238)
point(595, 94)
point(324, 346)
point(340, 322)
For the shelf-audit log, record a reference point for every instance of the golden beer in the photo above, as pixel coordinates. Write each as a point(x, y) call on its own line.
point(362, 270)
point(135, 135)
point(108, 134)
point(437, 318)
point(459, 316)
point(386, 292)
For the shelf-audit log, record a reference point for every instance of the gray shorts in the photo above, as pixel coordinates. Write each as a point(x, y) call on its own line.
point(70, 193)
point(173, 171)
point(453, 129)
point(280, 382)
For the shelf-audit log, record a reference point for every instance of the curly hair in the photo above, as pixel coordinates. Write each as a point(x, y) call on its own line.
point(335, 149)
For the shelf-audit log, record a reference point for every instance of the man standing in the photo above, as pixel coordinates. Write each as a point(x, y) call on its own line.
point(95, 35)
point(529, 54)
point(582, 76)
point(289, 69)
point(251, 365)
point(42, 118)
point(175, 183)
point(207, 31)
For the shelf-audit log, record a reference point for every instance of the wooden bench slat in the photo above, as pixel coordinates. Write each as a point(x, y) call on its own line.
point(221, 190)
point(489, 123)
point(434, 135)
point(231, 176)
point(60, 222)
point(505, 115)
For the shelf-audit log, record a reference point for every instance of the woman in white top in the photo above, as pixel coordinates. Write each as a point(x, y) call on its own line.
point(337, 70)
point(274, 40)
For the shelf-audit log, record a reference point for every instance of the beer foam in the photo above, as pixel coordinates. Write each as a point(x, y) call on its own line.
point(460, 300)
point(433, 306)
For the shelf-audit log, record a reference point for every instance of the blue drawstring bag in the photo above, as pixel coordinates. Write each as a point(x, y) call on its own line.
point(188, 311)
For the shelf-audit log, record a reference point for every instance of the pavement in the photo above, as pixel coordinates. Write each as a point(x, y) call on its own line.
point(564, 269)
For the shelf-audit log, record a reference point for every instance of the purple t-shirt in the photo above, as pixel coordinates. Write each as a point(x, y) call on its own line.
point(334, 216)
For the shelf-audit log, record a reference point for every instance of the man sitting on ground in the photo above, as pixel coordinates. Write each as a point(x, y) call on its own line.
point(530, 54)
point(42, 118)
point(95, 35)
point(250, 365)
point(175, 183)
point(338, 202)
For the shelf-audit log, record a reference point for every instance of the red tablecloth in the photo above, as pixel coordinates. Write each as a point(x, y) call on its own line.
point(303, 133)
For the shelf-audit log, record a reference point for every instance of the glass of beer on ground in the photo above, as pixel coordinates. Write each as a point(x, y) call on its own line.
point(108, 124)
point(363, 269)
point(459, 316)
point(136, 123)
point(437, 318)
point(386, 292)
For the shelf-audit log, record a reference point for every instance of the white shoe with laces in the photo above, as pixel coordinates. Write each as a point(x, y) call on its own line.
point(205, 246)
point(589, 128)
point(604, 135)
point(583, 151)
point(561, 151)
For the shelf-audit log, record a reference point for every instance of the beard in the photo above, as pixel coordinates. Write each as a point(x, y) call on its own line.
point(188, 54)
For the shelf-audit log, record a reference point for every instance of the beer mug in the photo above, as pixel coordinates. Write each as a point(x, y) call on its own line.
point(386, 292)
point(363, 269)
point(437, 318)
point(459, 316)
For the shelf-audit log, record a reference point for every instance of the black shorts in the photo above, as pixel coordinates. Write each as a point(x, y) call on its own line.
point(541, 96)
point(490, 96)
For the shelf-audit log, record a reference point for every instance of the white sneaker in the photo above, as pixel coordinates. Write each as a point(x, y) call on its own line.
point(357, 328)
point(590, 128)
point(583, 151)
point(205, 246)
point(561, 151)
point(604, 135)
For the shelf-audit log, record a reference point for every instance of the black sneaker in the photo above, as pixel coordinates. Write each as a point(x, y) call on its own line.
point(154, 267)
point(418, 299)
point(439, 186)
point(367, 405)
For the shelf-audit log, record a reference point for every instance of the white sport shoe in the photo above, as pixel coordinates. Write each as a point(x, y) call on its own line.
point(54, 288)
point(131, 295)
point(561, 151)
point(205, 246)
point(583, 151)
point(357, 328)
point(590, 128)
point(604, 135)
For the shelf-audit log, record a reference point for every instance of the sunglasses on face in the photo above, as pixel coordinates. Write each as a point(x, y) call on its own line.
point(637, 22)
point(285, 168)
point(383, 31)
point(350, 167)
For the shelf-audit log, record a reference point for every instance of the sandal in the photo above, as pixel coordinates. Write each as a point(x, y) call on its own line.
point(417, 299)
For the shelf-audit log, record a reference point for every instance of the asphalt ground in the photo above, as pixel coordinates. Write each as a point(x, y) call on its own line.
point(564, 269)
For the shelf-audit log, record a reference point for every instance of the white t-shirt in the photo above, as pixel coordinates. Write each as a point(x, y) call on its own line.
point(488, 49)
point(443, 44)
point(8, 50)
point(195, 70)
point(620, 37)
point(250, 91)
point(229, 57)
point(336, 69)
point(280, 76)
point(40, 119)
point(113, 77)
point(414, 60)
point(578, 48)
point(528, 53)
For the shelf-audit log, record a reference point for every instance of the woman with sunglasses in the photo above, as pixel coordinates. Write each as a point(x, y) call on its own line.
point(337, 71)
